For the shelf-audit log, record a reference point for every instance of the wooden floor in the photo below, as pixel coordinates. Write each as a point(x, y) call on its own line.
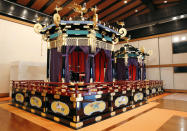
point(163, 114)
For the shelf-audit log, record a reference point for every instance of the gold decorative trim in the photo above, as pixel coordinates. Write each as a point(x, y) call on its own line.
point(124, 109)
point(76, 125)
point(32, 110)
point(112, 94)
point(56, 119)
point(43, 94)
point(76, 118)
point(111, 98)
point(100, 92)
point(32, 92)
point(98, 96)
point(113, 113)
point(74, 104)
point(78, 104)
point(23, 107)
point(116, 90)
point(57, 96)
point(124, 92)
point(43, 114)
point(76, 99)
point(24, 91)
point(98, 118)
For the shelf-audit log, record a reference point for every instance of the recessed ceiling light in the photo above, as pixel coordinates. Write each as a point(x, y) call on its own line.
point(174, 18)
point(125, 1)
point(176, 39)
point(11, 8)
point(24, 12)
point(182, 16)
point(165, 1)
point(183, 38)
point(136, 10)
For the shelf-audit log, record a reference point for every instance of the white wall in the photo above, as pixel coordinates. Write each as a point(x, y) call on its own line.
point(163, 54)
point(17, 43)
point(151, 44)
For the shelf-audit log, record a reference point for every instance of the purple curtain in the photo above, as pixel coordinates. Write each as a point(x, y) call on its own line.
point(133, 61)
point(55, 65)
point(108, 73)
point(120, 69)
point(139, 72)
point(143, 71)
point(93, 63)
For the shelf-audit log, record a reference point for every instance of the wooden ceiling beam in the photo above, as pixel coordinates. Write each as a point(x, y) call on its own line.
point(23, 2)
point(63, 5)
point(167, 5)
point(46, 5)
point(144, 11)
point(101, 6)
point(52, 6)
point(129, 13)
point(149, 4)
point(162, 1)
point(112, 9)
point(39, 4)
point(123, 10)
point(31, 2)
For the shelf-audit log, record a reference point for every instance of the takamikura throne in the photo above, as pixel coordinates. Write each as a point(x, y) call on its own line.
point(91, 76)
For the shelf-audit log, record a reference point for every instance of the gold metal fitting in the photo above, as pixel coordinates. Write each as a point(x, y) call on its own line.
point(76, 125)
point(98, 118)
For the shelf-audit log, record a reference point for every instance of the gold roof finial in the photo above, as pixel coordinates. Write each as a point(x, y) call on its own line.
point(58, 8)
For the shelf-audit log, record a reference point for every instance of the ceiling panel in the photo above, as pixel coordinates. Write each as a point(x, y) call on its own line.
point(123, 10)
point(101, 6)
point(113, 8)
point(130, 13)
point(162, 1)
point(23, 2)
point(51, 7)
point(144, 11)
point(38, 4)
